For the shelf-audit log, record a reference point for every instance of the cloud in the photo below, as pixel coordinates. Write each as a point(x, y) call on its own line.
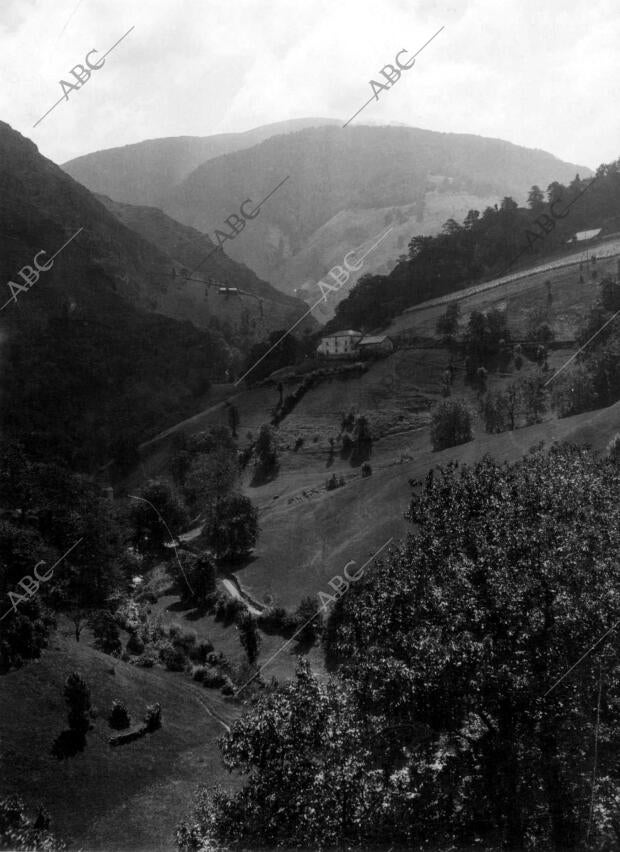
point(520, 70)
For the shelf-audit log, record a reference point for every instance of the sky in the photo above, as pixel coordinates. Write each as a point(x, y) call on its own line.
point(539, 74)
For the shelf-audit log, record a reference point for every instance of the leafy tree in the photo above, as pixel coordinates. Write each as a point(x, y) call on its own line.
point(195, 575)
point(106, 632)
point(232, 527)
point(308, 617)
point(536, 199)
point(448, 323)
point(211, 476)
point(77, 697)
point(471, 631)
point(450, 424)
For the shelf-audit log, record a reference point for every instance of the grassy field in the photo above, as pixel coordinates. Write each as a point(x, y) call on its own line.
point(128, 797)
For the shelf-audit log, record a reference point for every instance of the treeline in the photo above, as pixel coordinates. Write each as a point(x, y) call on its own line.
point(483, 246)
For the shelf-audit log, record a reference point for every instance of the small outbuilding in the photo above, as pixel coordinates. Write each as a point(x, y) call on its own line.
point(377, 346)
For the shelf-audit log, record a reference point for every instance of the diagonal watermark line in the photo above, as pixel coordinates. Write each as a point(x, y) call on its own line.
point(196, 268)
point(374, 97)
point(65, 96)
point(305, 624)
point(582, 658)
point(116, 43)
point(68, 21)
point(302, 317)
point(581, 348)
point(268, 196)
point(14, 298)
point(58, 561)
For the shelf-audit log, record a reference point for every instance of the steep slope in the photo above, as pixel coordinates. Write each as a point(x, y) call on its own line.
point(90, 364)
point(346, 187)
point(145, 172)
point(247, 317)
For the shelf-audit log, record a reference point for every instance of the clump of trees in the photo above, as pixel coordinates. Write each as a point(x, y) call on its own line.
point(521, 402)
point(231, 529)
point(451, 424)
point(21, 832)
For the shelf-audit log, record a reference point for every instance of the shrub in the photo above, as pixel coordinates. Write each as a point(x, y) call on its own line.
point(135, 645)
point(152, 717)
point(450, 425)
point(198, 673)
point(147, 660)
point(366, 469)
point(173, 658)
point(276, 620)
point(198, 652)
point(119, 716)
point(228, 687)
point(213, 678)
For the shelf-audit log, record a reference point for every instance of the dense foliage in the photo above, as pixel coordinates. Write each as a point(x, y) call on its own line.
point(456, 719)
point(484, 245)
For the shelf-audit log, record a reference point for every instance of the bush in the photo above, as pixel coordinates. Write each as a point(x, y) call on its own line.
point(173, 658)
point(198, 652)
point(135, 645)
point(119, 716)
point(147, 660)
point(450, 425)
point(366, 469)
point(227, 609)
point(213, 678)
point(276, 620)
point(228, 687)
point(152, 717)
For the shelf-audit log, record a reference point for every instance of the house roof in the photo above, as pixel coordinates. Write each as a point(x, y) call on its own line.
point(587, 235)
point(370, 340)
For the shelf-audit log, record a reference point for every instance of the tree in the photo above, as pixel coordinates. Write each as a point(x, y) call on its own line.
point(249, 636)
point(450, 424)
point(211, 476)
point(77, 697)
point(574, 391)
point(106, 632)
point(536, 199)
point(308, 617)
point(195, 575)
point(472, 630)
point(266, 452)
point(232, 527)
point(119, 716)
point(157, 516)
point(448, 323)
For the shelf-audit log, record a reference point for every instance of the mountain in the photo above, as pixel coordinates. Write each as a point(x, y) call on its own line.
point(346, 187)
point(247, 317)
point(91, 363)
point(145, 172)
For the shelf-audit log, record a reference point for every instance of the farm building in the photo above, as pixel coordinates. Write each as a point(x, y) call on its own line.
point(584, 236)
point(339, 344)
point(377, 347)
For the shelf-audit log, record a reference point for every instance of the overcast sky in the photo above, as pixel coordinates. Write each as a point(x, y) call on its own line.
point(540, 74)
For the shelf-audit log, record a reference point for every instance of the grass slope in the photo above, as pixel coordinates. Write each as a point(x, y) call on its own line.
point(128, 797)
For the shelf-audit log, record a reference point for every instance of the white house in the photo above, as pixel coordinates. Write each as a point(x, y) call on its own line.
point(340, 344)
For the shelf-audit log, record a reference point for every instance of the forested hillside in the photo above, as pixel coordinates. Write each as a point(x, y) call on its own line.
point(484, 245)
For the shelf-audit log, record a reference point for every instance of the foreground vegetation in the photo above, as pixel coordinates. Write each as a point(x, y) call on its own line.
point(454, 716)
